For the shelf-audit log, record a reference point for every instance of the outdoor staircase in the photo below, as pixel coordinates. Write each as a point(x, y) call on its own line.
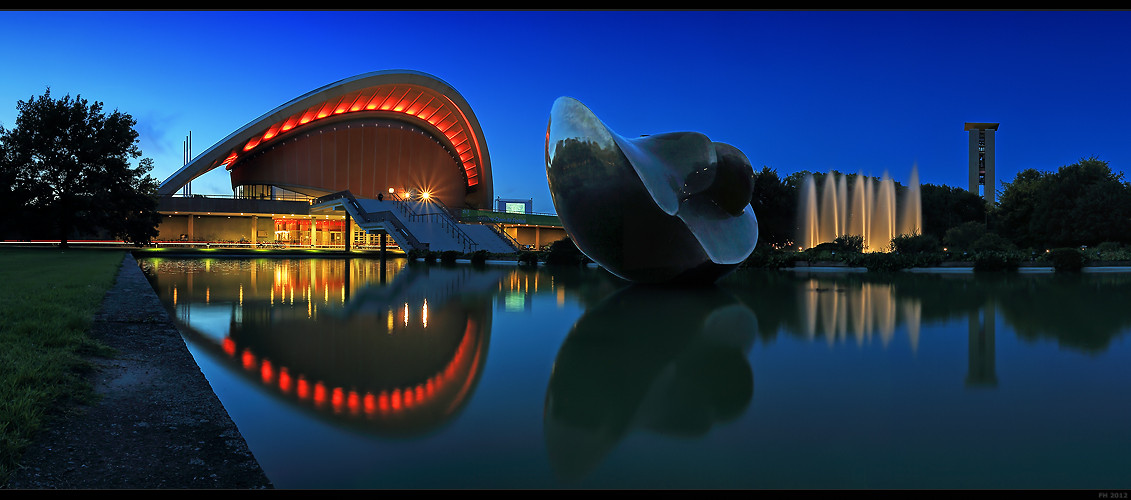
point(416, 225)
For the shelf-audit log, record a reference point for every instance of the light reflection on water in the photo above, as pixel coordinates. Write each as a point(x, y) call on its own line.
point(341, 375)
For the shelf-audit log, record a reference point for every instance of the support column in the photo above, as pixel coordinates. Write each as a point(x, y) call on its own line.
point(313, 232)
point(347, 231)
point(383, 234)
point(254, 239)
point(191, 237)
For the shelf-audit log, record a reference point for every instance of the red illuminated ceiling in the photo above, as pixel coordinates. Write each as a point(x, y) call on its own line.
point(441, 113)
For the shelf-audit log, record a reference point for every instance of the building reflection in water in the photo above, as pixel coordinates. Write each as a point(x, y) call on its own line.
point(982, 371)
point(667, 360)
point(396, 349)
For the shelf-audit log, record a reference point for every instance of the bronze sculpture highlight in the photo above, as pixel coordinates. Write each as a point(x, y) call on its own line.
point(665, 208)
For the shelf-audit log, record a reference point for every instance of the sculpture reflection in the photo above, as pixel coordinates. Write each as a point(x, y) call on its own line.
point(666, 360)
point(672, 207)
point(396, 359)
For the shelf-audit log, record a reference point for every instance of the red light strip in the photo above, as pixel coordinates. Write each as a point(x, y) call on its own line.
point(229, 160)
point(410, 102)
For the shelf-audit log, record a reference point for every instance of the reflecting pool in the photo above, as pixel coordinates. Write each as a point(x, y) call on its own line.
point(343, 373)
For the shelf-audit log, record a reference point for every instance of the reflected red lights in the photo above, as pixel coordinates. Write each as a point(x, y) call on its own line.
point(266, 372)
point(303, 389)
point(319, 394)
point(284, 380)
point(353, 402)
point(248, 360)
point(461, 370)
point(395, 400)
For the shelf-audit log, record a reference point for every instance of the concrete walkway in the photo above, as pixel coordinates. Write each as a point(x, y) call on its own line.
point(158, 424)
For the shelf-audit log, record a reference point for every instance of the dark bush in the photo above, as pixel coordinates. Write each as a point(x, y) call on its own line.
point(849, 244)
point(880, 261)
point(1109, 246)
point(431, 256)
point(992, 242)
point(479, 257)
point(915, 244)
point(527, 258)
point(564, 253)
point(962, 237)
point(449, 257)
point(778, 260)
point(996, 261)
point(927, 259)
point(1066, 259)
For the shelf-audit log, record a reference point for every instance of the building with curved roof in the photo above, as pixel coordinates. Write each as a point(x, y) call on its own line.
point(347, 164)
point(398, 130)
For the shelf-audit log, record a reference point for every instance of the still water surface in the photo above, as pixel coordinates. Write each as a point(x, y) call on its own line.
point(342, 374)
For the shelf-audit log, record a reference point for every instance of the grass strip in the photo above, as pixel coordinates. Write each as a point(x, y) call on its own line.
point(48, 299)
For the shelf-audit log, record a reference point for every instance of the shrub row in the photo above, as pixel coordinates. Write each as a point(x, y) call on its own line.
point(560, 253)
point(1061, 259)
point(448, 257)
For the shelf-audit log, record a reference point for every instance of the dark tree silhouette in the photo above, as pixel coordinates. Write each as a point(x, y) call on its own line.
point(70, 165)
point(1080, 204)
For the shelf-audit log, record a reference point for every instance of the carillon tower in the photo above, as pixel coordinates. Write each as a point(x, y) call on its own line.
point(982, 159)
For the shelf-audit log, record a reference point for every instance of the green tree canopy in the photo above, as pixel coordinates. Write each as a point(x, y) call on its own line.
point(946, 207)
point(71, 164)
point(1080, 204)
point(775, 205)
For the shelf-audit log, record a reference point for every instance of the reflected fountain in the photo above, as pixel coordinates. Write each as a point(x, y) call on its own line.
point(869, 209)
point(837, 310)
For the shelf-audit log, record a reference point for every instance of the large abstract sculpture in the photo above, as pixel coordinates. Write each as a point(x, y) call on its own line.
point(672, 207)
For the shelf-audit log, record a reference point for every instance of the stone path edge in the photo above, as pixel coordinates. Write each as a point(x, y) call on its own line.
point(157, 423)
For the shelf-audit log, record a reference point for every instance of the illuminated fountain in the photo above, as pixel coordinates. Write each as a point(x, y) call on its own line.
point(869, 209)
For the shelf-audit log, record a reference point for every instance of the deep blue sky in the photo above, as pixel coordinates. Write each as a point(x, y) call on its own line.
point(853, 91)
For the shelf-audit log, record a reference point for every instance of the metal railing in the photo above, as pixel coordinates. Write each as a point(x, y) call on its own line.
point(497, 228)
point(444, 217)
point(384, 216)
point(275, 197)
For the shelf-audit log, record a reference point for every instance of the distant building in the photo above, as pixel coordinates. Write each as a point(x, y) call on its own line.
point(514, 206)
point(982, 178)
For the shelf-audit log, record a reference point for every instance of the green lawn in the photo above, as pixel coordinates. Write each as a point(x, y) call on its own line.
point(48, 299)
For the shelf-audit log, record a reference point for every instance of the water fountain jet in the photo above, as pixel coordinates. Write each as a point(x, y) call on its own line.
point(871, 211)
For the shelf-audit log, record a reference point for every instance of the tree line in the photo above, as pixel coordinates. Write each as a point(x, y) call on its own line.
point(68, 171)
point(1083, 204)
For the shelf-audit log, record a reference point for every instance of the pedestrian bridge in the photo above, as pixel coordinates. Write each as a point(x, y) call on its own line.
point(424, 225)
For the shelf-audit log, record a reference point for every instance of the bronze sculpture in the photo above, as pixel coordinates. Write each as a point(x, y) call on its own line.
point(666, 208)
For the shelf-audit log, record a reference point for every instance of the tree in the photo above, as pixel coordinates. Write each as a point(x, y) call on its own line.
point(775, 205)
point(961, 238)
point(946, 207)
point(15, 193)
point(71, 164)
point(1080, 204)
